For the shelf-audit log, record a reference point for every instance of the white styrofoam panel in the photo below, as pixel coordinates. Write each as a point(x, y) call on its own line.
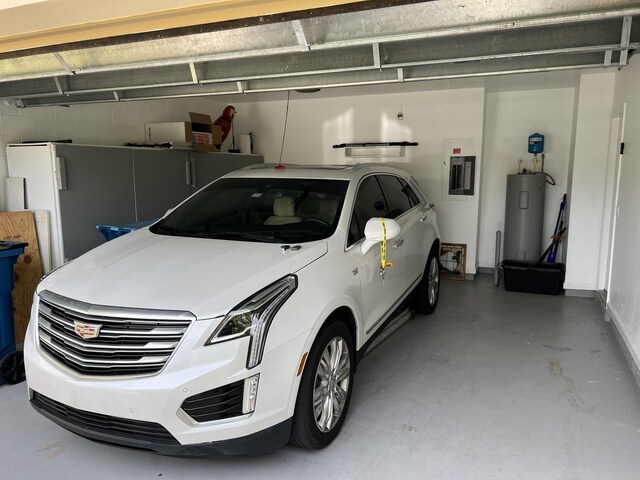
point(14, 194)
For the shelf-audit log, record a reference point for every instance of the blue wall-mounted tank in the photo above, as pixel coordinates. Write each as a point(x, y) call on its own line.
point(536, 143)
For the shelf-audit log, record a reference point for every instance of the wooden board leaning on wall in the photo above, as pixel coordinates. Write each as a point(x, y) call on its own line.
point(20, 227)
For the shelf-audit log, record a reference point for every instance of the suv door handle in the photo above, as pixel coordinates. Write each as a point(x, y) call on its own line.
point(398, 243)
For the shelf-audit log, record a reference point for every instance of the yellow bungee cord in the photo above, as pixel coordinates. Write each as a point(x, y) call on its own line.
point(383, 249)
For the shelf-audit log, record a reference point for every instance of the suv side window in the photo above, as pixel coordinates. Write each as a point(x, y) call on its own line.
point(399, 201)
point(406, 188)
point(370, 202)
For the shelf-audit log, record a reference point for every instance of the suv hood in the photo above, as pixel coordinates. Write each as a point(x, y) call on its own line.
point(207, 277)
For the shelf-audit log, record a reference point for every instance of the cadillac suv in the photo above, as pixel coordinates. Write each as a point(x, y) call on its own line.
point(234, 324)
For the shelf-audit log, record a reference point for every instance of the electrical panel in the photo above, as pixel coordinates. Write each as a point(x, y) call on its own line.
point(462, 175)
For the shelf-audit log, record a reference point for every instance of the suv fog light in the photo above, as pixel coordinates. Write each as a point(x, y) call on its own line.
point(250, 393)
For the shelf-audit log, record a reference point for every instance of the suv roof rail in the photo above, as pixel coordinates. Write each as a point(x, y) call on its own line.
point(358, 166)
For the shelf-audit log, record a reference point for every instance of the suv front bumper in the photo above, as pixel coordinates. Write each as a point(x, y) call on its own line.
point(158, 399)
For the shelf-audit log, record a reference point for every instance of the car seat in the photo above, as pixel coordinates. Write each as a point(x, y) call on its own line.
point(283, 212)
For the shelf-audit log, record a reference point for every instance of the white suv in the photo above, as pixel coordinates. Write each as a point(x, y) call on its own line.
point(234, 324)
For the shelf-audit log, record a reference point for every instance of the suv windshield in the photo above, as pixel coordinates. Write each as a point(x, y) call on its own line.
point(260, 210)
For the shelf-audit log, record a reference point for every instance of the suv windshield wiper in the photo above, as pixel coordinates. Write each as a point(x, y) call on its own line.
point(269, 236)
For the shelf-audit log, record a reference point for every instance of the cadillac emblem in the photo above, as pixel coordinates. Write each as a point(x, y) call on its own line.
point(87, 330)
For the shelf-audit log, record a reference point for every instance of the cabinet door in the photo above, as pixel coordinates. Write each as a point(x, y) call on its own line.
point(97, 190)
point(208, 167)
point(161, 181)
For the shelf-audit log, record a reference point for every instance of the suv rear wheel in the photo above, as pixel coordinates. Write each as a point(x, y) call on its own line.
point(429, 288)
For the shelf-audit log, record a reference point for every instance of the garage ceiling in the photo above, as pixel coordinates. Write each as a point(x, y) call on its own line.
point(307, 50)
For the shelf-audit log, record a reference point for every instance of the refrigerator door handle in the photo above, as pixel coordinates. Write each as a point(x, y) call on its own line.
point(61, 174)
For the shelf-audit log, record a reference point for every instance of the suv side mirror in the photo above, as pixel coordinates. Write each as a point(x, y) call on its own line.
point(373, 232)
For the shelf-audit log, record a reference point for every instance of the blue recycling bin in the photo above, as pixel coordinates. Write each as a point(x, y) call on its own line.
point(114, 231)
point(9, 253)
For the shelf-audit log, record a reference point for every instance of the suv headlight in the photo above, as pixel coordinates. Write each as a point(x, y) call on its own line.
point(253, 317)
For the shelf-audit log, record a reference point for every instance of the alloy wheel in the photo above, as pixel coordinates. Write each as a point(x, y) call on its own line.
point(331, 384)
point(433, 281)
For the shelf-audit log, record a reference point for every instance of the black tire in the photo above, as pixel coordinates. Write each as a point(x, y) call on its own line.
point(426, 299)
point(12, 368)
point(306, 431)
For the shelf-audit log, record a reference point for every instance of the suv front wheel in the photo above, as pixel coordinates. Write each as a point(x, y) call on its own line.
point(325, 388)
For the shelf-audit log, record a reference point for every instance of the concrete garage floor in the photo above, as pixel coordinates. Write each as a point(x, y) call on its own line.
point(494, 385)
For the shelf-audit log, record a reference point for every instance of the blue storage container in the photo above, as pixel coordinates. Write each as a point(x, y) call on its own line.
point(112, 231)
point(9, 253)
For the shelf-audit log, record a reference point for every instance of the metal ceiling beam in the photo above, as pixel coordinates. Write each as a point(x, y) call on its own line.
point(509, 45)
point(376, 55)
point(299, 31)
point(369, 77)
point(607, 58)
point(58, 86)
point(64, 64)
point(624, 40)
point(176, 22)
point(194, 74)
point(400, 44)
point(349, 30)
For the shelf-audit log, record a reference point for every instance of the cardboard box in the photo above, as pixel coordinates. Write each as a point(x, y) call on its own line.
point(199, 133)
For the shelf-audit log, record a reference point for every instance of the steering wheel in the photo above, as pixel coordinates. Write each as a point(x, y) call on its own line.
point(318, 221)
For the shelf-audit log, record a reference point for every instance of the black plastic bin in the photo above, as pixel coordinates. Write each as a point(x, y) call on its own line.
point(546, 278)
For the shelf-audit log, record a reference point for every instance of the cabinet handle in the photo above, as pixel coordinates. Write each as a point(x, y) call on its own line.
point(187, 172)
point(194, 179)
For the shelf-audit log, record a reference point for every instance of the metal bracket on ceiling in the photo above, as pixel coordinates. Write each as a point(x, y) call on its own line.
point(116, 96)
point(242, 86)
point(58, 86)
point(194, 74)
point(401, 75)
point(376, 55)
point(19, 103)
point(607, 58)
point(624, 39)
point(302, 38)
point(64, 64)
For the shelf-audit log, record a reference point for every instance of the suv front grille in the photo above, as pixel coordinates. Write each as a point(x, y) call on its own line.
point(126, 341)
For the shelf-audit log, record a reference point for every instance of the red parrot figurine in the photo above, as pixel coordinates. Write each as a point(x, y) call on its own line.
point(225, 121)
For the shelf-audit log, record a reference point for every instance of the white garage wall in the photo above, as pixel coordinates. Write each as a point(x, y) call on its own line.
point(510, 117)
point(99, 124)
point(318, 121)
point(624, 294)
point(586, 201)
